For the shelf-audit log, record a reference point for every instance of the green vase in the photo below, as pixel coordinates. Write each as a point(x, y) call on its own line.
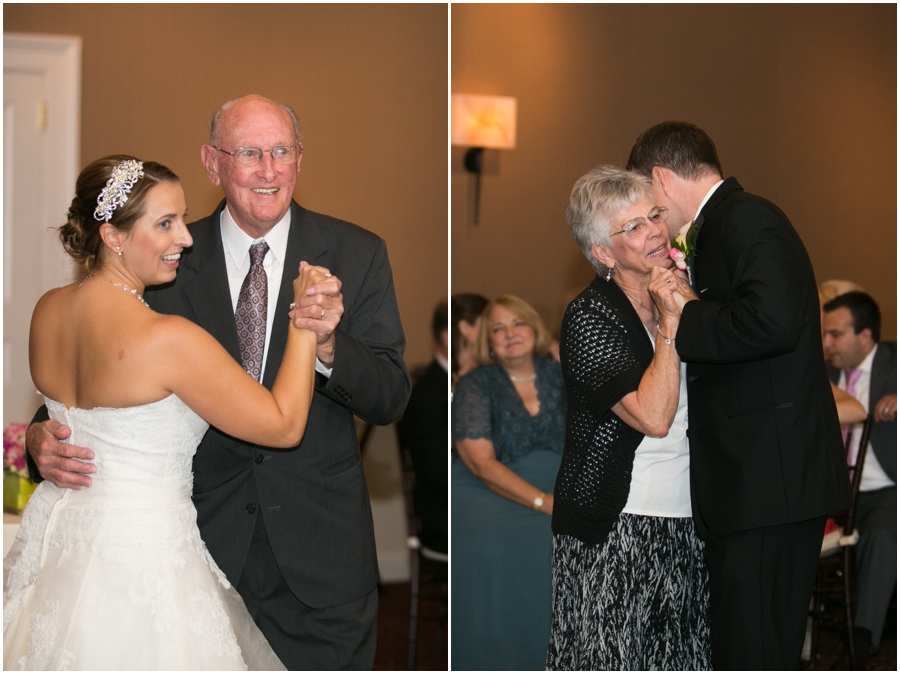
point(16, 491)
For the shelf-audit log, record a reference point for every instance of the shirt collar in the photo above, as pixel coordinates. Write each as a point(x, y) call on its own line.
point(237, 242)
point(442, 362)
point(866, 364)
point(706, 198)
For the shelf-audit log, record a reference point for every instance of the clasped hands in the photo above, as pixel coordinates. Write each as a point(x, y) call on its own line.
point(670, 290)
point(318, 306)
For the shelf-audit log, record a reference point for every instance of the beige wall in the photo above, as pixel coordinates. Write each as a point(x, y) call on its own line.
point(369, 83)
point(801, 100)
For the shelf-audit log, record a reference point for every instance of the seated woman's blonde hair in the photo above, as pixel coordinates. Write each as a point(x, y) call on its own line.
point(828, 290)
point(523, 310)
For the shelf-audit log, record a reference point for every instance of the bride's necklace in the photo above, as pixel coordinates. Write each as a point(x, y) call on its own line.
point(523, 380)
point(119, 285)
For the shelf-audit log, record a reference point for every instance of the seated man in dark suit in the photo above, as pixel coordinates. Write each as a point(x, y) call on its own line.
point(867, 369)
point(423, 430)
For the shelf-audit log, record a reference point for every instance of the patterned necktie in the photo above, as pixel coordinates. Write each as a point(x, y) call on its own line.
point(252, 307)
point(851, 376)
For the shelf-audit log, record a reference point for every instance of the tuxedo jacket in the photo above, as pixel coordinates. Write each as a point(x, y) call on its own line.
point(883, 382)
point(763, 428)
point(313, 497)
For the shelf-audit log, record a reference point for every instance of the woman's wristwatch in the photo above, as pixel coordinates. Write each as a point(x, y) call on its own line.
point(538, 501)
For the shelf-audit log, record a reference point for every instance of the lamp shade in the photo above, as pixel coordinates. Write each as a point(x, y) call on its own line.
point(483, 121)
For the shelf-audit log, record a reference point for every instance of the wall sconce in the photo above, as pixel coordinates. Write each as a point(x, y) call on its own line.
point(480, 122)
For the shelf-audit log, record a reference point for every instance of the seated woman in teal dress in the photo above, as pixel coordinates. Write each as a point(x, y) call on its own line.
point(508, 433)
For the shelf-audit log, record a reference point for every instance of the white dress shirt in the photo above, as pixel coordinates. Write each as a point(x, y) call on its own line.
point(873, 475)
point(706, 198)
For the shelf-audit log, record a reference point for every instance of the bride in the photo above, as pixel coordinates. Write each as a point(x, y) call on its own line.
point(116, 576)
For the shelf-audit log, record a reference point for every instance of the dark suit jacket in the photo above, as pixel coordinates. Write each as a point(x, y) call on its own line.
point(423, 430)
point(763, 428)
point(883, 382)
point(313, 497)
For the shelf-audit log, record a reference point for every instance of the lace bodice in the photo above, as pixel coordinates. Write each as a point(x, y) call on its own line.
point(486, 405)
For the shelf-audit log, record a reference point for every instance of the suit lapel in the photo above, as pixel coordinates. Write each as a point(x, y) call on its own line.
point(709, 213)
point(208, 289)
point(305, 242)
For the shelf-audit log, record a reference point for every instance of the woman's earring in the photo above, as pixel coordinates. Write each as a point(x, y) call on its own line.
point(119, 248)
point(608, 273)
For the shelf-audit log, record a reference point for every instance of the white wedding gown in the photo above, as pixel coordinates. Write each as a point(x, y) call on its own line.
point(115, 576)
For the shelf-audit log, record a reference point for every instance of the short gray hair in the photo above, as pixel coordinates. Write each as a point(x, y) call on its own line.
point(598, 196)
point(217, 115)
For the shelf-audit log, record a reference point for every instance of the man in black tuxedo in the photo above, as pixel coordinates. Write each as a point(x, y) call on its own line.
point(423, 429)
point(867, 369)
point(292, 530)
point(766, 458)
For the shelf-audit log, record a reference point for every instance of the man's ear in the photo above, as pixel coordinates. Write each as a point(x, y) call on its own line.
point(865, 335)
point(209, 157)
point(663, 177)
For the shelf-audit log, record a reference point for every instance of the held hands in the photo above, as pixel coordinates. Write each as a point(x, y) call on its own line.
point(61, 463)
point(318, 306)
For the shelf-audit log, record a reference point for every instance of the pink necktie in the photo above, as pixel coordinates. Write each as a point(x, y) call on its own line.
point(851, 376)
point(252, 308)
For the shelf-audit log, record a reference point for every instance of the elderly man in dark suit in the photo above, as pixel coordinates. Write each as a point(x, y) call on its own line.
point(292, 529)
point(766, 458)
point(867, 369)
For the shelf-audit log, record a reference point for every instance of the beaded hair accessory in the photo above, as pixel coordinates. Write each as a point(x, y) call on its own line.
point(115, 194)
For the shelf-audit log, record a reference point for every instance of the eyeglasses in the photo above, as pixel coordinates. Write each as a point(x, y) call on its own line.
point(251, 156)
point(632, 227)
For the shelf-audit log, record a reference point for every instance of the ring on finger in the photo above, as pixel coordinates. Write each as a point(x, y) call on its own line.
point(323, 314)
point(291, 306)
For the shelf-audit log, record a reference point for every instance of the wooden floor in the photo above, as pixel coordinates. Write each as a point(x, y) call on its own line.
point(833, 656)
point(431, 654)
point(393, 629)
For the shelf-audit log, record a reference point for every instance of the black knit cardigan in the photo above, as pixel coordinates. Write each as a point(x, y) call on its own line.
point(604, 351)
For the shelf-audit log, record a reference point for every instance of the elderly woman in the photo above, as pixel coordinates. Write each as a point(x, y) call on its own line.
point(508, 432)
point(629, 583)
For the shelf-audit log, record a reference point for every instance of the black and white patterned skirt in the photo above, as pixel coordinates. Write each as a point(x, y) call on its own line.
point(639, 601)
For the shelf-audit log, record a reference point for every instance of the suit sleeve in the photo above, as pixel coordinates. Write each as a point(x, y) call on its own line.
point(765, 268)
point(40, 416)
point(369, 376)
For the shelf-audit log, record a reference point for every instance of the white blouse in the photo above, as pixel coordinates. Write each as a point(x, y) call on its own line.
point(660, 478)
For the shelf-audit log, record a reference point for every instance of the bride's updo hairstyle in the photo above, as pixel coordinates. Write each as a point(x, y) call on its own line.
point(81, 234)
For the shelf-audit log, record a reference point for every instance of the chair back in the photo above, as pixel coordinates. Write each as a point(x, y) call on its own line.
point(408, 479)
point(856, 469)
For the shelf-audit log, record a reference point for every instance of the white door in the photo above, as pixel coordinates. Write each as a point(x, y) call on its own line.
point(41, 80)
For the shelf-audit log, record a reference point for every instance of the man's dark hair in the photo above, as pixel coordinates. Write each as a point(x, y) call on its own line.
point(862, 307)
point(439, 321)
point(681, 147)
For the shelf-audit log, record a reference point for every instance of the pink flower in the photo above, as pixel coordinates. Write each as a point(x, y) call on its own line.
point(678, 256)
point(14, 448)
